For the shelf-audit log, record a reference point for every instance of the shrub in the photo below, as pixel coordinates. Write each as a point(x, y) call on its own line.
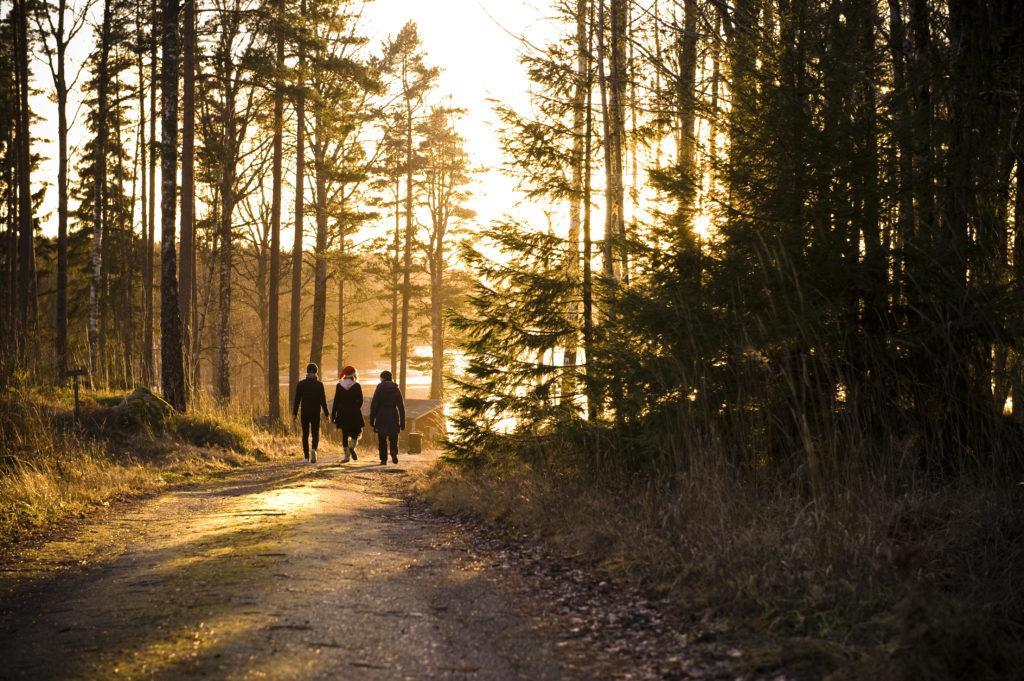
point(209, 431)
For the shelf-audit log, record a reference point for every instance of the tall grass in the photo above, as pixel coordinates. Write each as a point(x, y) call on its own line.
point(52, 467)
point(877, 517)
point(924, 583)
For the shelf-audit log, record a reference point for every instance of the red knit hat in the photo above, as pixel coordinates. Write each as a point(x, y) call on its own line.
point(348, 371)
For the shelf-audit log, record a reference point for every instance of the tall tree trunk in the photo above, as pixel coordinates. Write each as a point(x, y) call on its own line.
point(579, 102)
point(143, 150)
point(1018, 276)
point(687, 102)
point(394, 278)
point(437, 324)
point(273, 324)
point(403, 367)
point(227, 190)
point(606, 140)
point(99, 230)
point(26, 246)
point(617, 126)
point(316, 349)
point(186, 265)
point(129, 259)
point(61, 87)
point(125, 317)
point(901, 115)
point(148, 269)
point(300, 205)
point(875, 307)
point(588, 255)
point(172, 370)
point(341, 305)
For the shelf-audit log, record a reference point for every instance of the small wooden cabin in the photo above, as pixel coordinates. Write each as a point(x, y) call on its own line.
point(422, 416)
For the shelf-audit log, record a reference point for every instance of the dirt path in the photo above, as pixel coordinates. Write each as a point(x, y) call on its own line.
point(284, 572)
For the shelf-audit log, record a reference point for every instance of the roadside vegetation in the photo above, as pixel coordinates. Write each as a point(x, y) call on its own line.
point(783, 378)
point(921, 584)
point(53, 468)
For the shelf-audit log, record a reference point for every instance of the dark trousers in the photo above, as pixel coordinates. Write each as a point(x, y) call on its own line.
point(386, 442)
point(310, 423)
point(350, 435)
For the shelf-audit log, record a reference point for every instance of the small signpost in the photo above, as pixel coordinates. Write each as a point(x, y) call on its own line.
point(76, 374)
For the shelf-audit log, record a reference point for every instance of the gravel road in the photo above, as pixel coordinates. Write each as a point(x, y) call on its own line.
point(288, 571)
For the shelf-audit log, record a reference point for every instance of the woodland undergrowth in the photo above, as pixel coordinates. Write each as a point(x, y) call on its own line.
point(865, 580)
point(53, 467)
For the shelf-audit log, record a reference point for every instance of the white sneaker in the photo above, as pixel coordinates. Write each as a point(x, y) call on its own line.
point(313, 459)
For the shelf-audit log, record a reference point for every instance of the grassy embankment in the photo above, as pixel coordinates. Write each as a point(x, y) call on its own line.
point(926, 582)
point(52, 468)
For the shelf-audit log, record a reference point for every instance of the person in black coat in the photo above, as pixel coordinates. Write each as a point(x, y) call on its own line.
point(387, 416)
point(347, 411)
point(310, 395)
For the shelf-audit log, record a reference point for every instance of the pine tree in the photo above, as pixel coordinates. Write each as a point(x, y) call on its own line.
point(445, 176)
point(294, 331)
point(405, 61)
point(232, 103)
point(341, 85)
point(172, 370)
point(515, 315)
point(58, 25)
point(273, 324)
point(26, 287)
point(187, 257)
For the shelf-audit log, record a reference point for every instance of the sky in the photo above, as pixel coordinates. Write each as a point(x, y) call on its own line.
point(475, 44)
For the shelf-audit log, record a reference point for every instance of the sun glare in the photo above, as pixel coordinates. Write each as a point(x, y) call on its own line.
point(702, 226)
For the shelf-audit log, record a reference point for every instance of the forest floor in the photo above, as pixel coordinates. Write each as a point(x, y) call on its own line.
point(289, 571)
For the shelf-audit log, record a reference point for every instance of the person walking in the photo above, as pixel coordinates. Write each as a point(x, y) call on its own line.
point(347, 411)
point(387, 416)
point(310, 395)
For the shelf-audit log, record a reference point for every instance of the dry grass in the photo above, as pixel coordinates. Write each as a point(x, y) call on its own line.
point(922, 585)
point(52, 468)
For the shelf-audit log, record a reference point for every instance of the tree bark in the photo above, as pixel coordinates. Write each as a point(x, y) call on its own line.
point(186, 265)
point(143, 151)
point(172, 371)
point(320, 170)
point(606, 141)
point(403, 367)
point(572, 258)
point(341, 304)
point(148, 273)
point(1018, 275)
point(617, 127)
point(227, 190)
point(901, 115)
point(687, 103)
point(437, 323)
point(394, 278)
point(588, 288)
point(26, 246)
point(99, 198)
point(273, 341)
point(61, 92)
point(300, 204)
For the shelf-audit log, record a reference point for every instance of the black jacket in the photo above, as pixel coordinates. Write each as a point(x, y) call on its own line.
point(310, 395)
point(387, 409)
point(346, 411)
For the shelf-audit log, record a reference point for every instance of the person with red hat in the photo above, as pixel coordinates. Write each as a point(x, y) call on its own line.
point(347, 412)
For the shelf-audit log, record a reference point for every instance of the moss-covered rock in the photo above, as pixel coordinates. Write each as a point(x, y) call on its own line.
point(143, 410)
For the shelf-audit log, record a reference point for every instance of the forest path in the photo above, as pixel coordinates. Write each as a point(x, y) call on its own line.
point(287, 571)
